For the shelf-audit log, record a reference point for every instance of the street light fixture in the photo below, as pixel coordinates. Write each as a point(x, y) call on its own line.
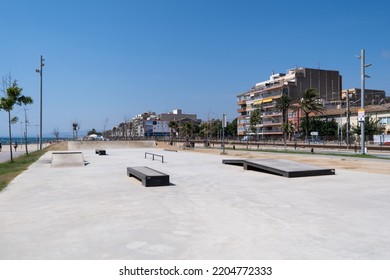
point(40, 115)
point(361, 115)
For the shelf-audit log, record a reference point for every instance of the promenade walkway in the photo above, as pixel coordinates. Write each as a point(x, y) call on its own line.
point(21, 150)
point(211, 210)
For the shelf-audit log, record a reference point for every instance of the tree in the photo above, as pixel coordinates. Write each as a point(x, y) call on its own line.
point(215, 128)
point(371, 127)
point(309, 104)
point(231, 128)
point(13, 97)
point(327, 127)
point(75, 129)
point(284, 104)
point(204, 129)
point(288, 128)
point(56, 133)
point(255, 119)
point(189, 129)
point(174, 126)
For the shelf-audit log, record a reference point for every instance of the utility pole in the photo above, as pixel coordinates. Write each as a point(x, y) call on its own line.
point(348, 118)
point(361, 113)
point(223, 132)
point(40, 115)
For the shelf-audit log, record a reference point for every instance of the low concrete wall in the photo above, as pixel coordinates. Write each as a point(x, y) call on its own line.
point(86, 145)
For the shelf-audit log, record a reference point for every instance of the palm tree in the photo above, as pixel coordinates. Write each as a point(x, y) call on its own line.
point(13, 97)
point(75, 128)
point(188, 129)
point(309, 104)
point(255, 120)
point(284, 104)
point(174, 126)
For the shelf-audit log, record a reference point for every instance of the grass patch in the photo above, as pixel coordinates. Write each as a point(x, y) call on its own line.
point(9, 170)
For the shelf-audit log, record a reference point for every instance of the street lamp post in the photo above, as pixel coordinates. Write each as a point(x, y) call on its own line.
point(223, 132)
point(362, 115)
point(40, 115)
point(348, 118)
point(21, 133)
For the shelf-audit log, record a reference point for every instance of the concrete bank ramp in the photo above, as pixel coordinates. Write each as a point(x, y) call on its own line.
point(282, 167)
point(67, 159)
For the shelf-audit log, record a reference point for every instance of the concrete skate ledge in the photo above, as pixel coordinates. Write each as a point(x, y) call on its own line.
point(67, 159)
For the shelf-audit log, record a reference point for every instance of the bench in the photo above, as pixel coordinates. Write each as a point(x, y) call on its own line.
point(100, 152)
point(148, 176)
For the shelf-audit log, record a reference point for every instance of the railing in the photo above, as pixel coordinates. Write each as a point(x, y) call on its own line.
point(155, 155)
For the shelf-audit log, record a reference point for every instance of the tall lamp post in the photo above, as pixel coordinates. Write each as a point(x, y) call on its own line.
point(224, 124)
point(40, 115)
point(348, 117)
point(361, 114)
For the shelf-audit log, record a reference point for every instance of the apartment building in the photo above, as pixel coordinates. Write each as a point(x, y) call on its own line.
point(293, 83)
point(151, 124)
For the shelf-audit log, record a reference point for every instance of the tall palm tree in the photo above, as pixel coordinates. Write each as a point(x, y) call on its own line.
point(76, 128)
point(309, 104)
point(256, 119)
point(283, 104)
point(13, 97)
point(187, 130)
point(174, 126)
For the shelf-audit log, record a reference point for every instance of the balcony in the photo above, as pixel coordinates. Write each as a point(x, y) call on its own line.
point(272, 114)
point(271, 124)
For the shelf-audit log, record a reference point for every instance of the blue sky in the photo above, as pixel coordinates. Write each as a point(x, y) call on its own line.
point(111, 60)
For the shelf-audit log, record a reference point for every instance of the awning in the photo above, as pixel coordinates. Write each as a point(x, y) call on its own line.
point(262, 101)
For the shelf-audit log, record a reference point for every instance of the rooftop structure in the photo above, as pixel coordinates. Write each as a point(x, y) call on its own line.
point(177, 115)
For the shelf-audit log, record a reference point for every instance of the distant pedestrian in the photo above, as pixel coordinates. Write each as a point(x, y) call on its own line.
point(16, 146)
point(1, 145)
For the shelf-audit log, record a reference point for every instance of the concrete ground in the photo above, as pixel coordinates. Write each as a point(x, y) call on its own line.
point(210, 211)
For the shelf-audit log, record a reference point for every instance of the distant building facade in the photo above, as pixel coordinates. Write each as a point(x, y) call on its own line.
point(293, 83)
point(380, 113)
point(177, 115)
point(151, 124)
point(371, 96)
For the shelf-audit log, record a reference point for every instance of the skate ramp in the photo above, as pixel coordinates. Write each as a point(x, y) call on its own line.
point(282, 167)
point(67, 159)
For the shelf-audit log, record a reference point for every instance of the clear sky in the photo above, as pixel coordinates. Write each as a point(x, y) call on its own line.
point(111, 60)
